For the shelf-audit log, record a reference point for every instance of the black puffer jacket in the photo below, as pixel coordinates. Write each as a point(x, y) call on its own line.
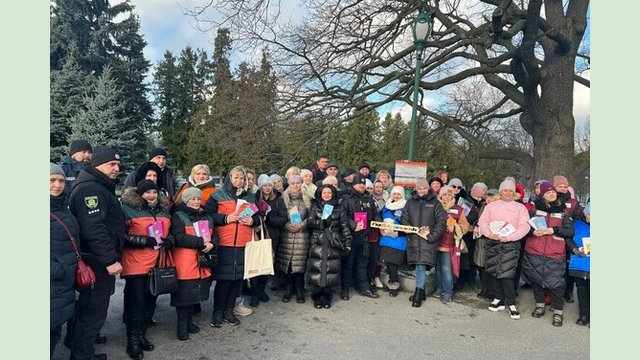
point(323, 268)
point(424, 211)
point(546, 271)
point(102, 226)
point(63, 262)
point(275, 219)
point(352, 202)
point(502, 258)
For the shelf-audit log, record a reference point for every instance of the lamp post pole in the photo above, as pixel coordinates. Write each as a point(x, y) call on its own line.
point(422, 26)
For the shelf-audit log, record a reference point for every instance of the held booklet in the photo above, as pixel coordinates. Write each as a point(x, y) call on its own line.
point(156, 230)
point(360, 217)
point(201, 228)
point(295, 216)
point(538, 223)
point(249, 210)
point(327, 211)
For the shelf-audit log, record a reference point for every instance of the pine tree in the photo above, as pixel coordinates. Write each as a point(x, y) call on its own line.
point(394, 140)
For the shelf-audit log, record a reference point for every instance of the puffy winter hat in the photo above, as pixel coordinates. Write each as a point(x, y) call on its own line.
point(455, 182)
point(145, 185)
point(422, 183)
point(157, 151)
point(559, 180)
point(55, 169)
point(263, 180)
point(492, 192)
point(507, 184)
point(103, 154)
point(364, 164)
point(347, 172)
point(295, 179)
point(79, 145)
point(275, 177)
point(546, 186)
point(398, 189)
point(190, 193)
point(436, 179)
point(360, 179)
point(444, 190)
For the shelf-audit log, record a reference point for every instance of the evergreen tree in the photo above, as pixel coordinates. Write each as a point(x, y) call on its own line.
point(394, 140)
point(359, 140)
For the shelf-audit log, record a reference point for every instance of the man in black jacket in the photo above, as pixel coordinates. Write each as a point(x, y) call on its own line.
point(358, 205)
point(102, 230)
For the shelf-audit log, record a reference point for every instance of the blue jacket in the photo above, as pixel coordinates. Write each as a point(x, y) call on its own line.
point(71, 170)
point(399, 243)
point(579, 264)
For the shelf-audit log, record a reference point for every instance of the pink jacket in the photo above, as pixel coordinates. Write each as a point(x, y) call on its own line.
point(510, 211)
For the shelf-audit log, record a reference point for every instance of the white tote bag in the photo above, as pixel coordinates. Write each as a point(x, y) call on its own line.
point(258, 256)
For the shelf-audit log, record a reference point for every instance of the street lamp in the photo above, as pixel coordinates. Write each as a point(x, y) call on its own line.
point(422, 26)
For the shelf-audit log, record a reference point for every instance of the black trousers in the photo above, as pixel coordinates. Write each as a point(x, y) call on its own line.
point(225, 293)
point(485, 282)
point(54, 337)
point(557, 296)
point(139, 304)
point(584, 292)
point(503, 289)
point(357, 260)
point(91, 314)
point(519, 267)
point(374, 256)
point(392, 270)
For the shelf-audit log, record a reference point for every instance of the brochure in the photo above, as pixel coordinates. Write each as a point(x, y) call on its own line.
point(295, 216)
point(202, 230)
point(495, 226)
point(156, 230)
point(240, 205)
point(538, 223)
point(249, 210)
point(507, 230)
point(360, 217)
point(327, 211)
point(586, 245)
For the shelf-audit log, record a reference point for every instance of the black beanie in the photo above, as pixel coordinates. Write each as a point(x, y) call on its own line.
point(157, 151)
point(347, 172)
point(145, 185)
point(436, 179)
point(359, 179)
point(103, 154)
point(79, 145)
point(364, 164)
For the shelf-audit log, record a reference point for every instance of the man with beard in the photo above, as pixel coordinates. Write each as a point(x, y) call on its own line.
point(79, 157)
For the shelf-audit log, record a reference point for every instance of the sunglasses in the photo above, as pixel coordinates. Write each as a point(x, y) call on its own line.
point(456, 186)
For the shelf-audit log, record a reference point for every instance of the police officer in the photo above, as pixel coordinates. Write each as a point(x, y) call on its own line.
point(79, 158)
point(102, 232)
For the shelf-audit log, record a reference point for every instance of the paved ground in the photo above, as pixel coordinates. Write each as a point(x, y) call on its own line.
point(362, 328)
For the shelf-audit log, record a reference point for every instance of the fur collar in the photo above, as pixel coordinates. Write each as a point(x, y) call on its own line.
point(287, 199)
point(131, 198)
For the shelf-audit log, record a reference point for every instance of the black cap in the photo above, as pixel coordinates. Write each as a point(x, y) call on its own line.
point(157, 151)
point(348, 171)
point(359, 179)
point(79, 145)
point(437, 179)
point(103, 154)
point(364, 164)
point(332, 164)
point(145, 185)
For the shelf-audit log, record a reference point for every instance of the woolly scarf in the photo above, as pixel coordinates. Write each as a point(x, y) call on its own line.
point(447, 205)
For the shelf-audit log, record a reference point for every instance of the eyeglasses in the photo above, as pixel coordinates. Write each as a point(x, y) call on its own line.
point(456, 186)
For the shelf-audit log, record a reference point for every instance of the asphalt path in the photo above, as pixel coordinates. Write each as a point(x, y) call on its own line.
point(361, 328)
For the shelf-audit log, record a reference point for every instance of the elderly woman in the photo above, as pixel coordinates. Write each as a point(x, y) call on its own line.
point(234, 232)
point(292, 254)
point(331, 180)
point(142, 207)
point(63, 259)
point(200, 178)
point(392, 244)
point(331, 238)
point(307, 183)
point(545, 252)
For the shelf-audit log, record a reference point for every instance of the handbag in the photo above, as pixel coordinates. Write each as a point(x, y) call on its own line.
point(163, 277)
point(209, 259)
point(85, 277)
point(258, 256)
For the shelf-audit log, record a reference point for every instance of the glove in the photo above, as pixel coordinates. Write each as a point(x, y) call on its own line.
point(167, 243)
point(579, 253)
point(151, 242)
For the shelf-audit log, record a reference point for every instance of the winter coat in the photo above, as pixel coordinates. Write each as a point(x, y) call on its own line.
point(424, 211)
point(232, 236)
point(579, 266)
point(102, 228)
point(71, 170)
point(62, 263)
point(502, 257)
point(194, 281)
point(138, 254)
point(353, 202)
point(400, 241)
point(208, 187)
point(294, 247)
point(544, 261)
point(572, 206)
point(275, 219)
point(447, 241)
point(324, 259)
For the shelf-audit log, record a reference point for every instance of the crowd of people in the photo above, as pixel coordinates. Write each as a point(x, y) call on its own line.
point(319, 221)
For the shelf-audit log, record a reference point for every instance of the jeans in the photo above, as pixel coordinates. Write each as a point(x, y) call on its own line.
point(421, 276)
point(444, 273)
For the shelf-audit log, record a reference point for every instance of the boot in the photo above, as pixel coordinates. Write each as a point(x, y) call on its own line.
point(393, 288)
point(418, 296)
point(144, 343)
point(191, 327)
point(300, 293)
point(134, 349)
point(287, 297)
point(317, 300)
point(262, 284)
point(326, 300)
point(344, 293)
point(216, 318)
point(424, 295)
point(183, 321)
point(230, 318)
point(255, 292)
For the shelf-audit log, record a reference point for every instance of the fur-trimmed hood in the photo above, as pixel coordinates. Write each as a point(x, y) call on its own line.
point(131, 198)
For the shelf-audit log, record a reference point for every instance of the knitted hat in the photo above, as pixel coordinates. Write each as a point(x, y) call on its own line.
point(145, 185)
point(481, 186)
point(436, 179)
point(422, 183)
point(398, 189)
point(507, 184)
point(275, 177)
point(546, 186)
point(79, 145)
point(364, 164)
point(444, 190)
point(455, 182)
point(492, 192)
point(55, 169)
point(360, 179)
point(157, 151)
point(103, 154)
point(559, 180)
point(295, 179)
point(263, 180)
point(190, 193)
point(347, 172)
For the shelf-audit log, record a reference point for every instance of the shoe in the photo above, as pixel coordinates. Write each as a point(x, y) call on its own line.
point(216, 318)
point(393, 293)
point(373, 289)
point(447, 300)
point(230, 318)
point(101, 339)
point(369, 293)
point(255, 301)
point(526, 286)
point(418, 297)
point(344, 294)
point(100, 356)
point(538, 312)
point(317, 303)
point(424, 297)
point(513, 312)
point(300, 296)
point(241, 310)
point(288, 295)
point(264, 297)
point(378, 283)
point(438, 293)
point(192, 328)
point(496, 305)
point(134, 350)
point(145, 344)
point(557, 320)
point(582, 321)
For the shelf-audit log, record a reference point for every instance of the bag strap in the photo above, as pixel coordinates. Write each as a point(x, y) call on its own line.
point(71, 237)
point(261, 228)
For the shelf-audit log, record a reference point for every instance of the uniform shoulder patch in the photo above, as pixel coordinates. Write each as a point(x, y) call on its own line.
point(91, 202)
